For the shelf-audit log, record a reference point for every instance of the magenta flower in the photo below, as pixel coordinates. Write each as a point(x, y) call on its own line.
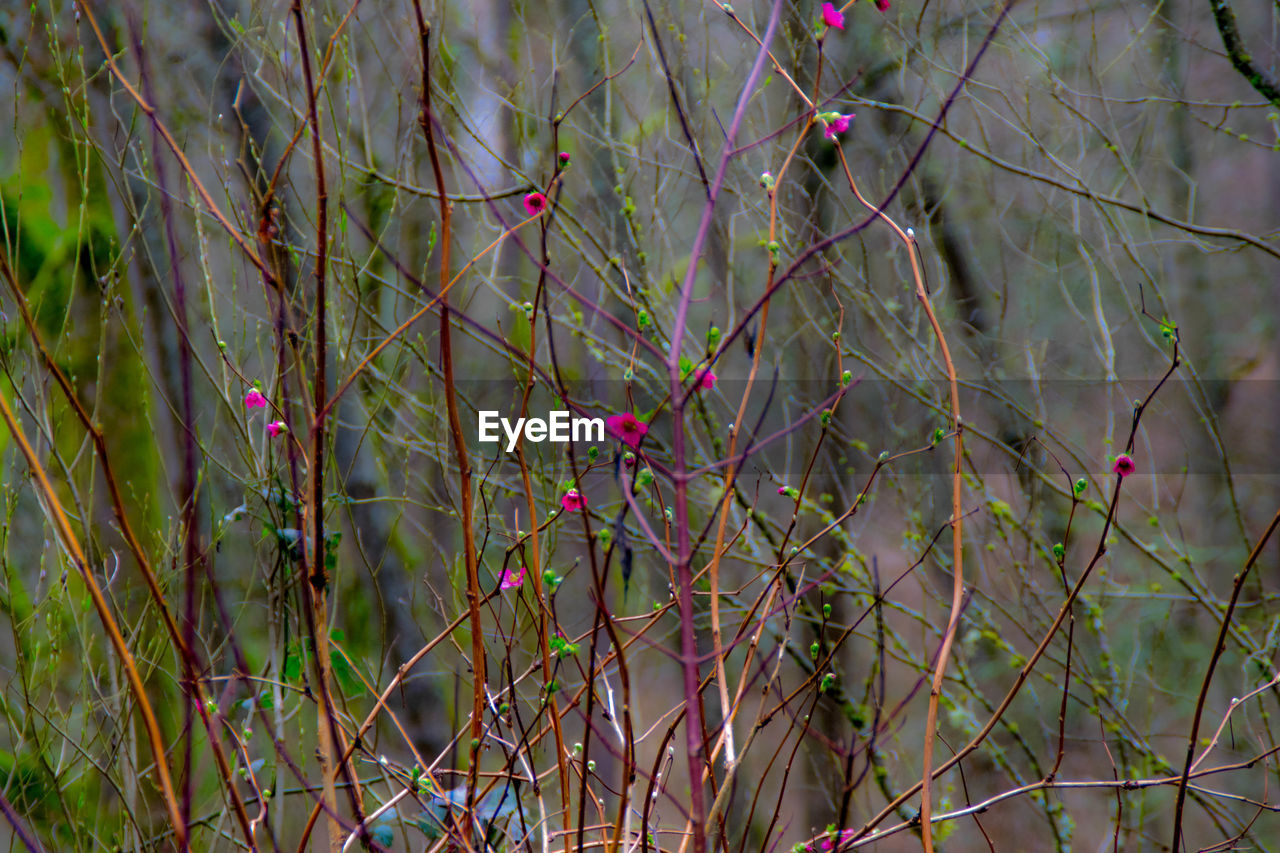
point(706, 380)
point(535, 203)
point(573, 500)
point(1124, 465)
point(832, 17)
point(882, 5)
point(276, 427)
point(512, 580)
point(564, 158)
point(846, 835)
point(254, 399)
point(828, 844)
point(628, 428)
point(837, 125)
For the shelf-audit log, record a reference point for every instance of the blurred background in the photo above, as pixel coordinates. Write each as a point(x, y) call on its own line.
point(1103, 187)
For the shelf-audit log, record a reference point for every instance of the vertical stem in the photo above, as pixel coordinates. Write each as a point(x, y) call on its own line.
point(957, 553)
point(317, 585)
point(544, 626)
point(694, 724)
point(1194, 735)
point(908, 239)
point(455, 423)
point(191, 552)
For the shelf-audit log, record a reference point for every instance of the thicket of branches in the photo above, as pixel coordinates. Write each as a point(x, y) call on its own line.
point(937, 348)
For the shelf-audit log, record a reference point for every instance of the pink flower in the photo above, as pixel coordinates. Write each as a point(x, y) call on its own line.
point(837, 125)
point(254, 399)
point(628, 428)
point(882, 5)
point(512, 580)
point(276, 427)
point(573, 500)
point(706, 380)
point(564, 158)
point(535, 203)
point(828, 844)
point(1124, 465)
point(833, 17)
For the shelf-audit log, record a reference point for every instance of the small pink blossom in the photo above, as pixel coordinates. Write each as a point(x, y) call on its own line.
point(1124, 465)
point(782, 490)
point(564, 158)
point(512, 580)
point(832, 17)
point(706, 380)
point(535, 203)
point(254, 399)
point(628, 428)
point(829, 844)
point(276, 427)
point(837, 125)
point(882, 5)
point(573, 501)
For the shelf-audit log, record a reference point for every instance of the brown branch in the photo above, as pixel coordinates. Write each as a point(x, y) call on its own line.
point(1218, 648)
point(957, 515)
point(54, 509)
point(131, 540)
point(315, 588)
point(455, 423)
point(187, 169)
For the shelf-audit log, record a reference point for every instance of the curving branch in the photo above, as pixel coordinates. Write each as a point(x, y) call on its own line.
point(1262, 82)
